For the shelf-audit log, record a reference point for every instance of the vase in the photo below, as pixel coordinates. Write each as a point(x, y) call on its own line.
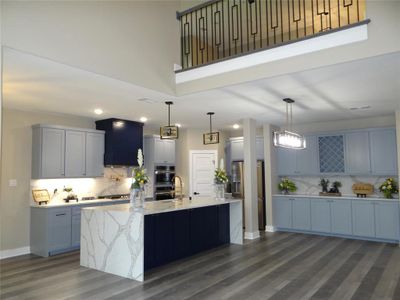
point(285, 192)
point(388, 195)
point(137, 198)
point(220, 191)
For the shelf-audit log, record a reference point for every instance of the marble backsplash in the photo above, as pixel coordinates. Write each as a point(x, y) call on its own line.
point(115, 181)
point(309, 185)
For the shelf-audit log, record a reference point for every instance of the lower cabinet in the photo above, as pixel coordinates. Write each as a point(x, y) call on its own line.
point(59, 233)
point(173, 235)
point(387, 220)
point(341, 217)
point(301, 213)
point(292, 213)
point(320, 215)
point(363, 218)
point(57, 230)
point(369, 219)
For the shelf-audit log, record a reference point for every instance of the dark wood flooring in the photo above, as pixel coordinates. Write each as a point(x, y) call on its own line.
point(278, 266)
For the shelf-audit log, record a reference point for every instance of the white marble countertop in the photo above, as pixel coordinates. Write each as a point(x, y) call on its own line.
point(346, 197)
point(155, 207)
point(74, 203)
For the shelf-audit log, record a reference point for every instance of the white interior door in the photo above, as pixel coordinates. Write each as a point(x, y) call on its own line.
point(202, 167)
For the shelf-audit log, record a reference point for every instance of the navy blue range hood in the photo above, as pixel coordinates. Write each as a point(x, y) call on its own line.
point(122, 141)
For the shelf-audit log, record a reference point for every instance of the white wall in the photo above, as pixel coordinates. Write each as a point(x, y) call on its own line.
point(134, 41)
point(398, 141)
point(192, 139)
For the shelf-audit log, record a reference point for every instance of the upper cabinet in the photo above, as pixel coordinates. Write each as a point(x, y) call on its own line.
point(383, 151)
point(159, 151)
point(59, 152)
point(299, 162)
point(236, 151)
point(358, 152)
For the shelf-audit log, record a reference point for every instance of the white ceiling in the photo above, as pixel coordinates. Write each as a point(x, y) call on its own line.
point(36, 84)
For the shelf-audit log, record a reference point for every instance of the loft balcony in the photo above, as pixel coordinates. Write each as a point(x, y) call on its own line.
point(218, 30)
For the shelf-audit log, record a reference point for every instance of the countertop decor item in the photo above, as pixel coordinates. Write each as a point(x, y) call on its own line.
point(71, 196)
point(139, 179)
point(286, 186)
point(362, 189)
point(220, 180)
point(211, 137)
point(287, 138)
point(324, 183)
point(388, 188)
point(41, 196)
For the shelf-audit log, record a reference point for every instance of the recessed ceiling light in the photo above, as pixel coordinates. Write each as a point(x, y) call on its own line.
point(178, 125)
point(98, 111)
point(143, 119)
point(236, 126)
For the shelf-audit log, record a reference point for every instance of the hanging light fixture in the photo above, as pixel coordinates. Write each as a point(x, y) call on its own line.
point(211, 137)
point(287, 138)
point(169, 132)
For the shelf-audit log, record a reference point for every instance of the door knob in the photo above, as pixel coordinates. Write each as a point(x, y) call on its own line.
point(196, 193)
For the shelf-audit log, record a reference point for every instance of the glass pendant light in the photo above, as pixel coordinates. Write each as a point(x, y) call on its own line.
point(287, 138)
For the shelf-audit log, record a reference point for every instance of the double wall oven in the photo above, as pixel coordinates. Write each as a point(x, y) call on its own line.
point(163, 185)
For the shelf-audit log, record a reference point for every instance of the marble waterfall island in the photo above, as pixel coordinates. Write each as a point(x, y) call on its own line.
point(118, 240)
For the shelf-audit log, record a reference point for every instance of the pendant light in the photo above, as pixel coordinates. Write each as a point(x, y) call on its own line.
point(210, 137)
point(287, 138)
point(169, 132)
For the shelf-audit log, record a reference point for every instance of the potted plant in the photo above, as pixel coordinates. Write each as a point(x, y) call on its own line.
point(388, 188)
point(139, 179)
point(324, 183)
point(335, 187)
point(220, 180)
point(286, 186)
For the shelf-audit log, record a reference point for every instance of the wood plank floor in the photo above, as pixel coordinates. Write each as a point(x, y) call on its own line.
point(278, 266)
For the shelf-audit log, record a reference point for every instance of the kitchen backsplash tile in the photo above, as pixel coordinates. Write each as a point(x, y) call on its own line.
point(309, 185)
point(115, 181)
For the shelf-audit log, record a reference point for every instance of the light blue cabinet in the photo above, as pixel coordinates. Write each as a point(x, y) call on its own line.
point(94, 154)
point(363, 218)
point(235, 151)
point(307, 159)
point(287, 161)
point(283, 212)
point(75, 153)
point(331, 151)
point(357, 153)
point(320, 215)
point(59, 231)
point(387, 220)
point(383, 151)
point(366, 219)
point(299, 162)
point(341, 222)
point(301, 219)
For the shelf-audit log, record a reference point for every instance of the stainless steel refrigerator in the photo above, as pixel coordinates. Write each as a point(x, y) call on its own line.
point(237, 188)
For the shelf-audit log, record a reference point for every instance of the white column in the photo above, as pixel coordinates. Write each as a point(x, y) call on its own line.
point(398, 141)
point(250, 184)
point(270, 171)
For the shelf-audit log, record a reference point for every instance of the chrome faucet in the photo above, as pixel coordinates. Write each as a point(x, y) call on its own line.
point(180, 184)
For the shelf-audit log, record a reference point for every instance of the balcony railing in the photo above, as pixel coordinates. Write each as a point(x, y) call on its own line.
point(221, 29)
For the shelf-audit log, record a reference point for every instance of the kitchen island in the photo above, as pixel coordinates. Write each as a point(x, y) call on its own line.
point(126, 242)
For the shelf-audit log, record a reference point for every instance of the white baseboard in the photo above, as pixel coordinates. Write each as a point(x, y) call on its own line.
point(269, 228)
point(14, 252)
point(252, 235)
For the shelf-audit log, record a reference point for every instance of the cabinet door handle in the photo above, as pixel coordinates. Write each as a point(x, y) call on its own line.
point(58, 215)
